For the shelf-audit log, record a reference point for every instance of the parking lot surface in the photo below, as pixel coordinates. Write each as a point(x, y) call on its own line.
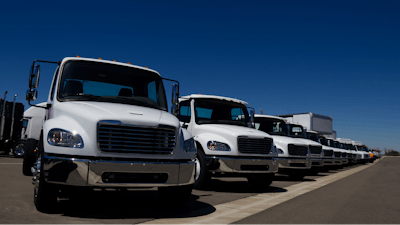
point(370, 195)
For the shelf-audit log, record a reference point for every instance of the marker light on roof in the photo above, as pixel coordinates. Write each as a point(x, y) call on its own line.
point(128, 63)
point(100, 58)
point(114, 60)
point(77, 56)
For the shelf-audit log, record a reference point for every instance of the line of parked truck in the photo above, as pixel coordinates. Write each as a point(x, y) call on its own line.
point(106, 125)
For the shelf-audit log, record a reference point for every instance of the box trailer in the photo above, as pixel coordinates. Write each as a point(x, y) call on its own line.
point(311, 121)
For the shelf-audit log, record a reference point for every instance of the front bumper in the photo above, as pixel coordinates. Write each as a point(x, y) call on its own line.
point(329, 161)
point(241, 165)
point(295, 163)
point(103, 173)
point(317, 162)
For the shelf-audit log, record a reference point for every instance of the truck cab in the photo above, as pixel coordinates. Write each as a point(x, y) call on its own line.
point(342, 145)
point(338, 152)
point(293, 153)
point(332, 156)
point(107, 126)
point(227, 145)
point(363, 156)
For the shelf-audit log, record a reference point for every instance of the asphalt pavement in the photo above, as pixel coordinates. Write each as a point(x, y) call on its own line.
point(368, 196)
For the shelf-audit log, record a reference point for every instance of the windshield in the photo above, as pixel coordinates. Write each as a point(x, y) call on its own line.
point(331, 143)
point(312, 136)
point(296, 131)
point(214, 111)
point(337, 144)
point(343, 146)
point(271, 126)
point(323, 141)
point(350, 147)
point(366, 149)
point(103, 82)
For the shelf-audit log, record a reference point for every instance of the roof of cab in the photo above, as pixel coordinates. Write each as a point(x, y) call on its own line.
point(187, 97)
point(107, 61)
point(269, 116)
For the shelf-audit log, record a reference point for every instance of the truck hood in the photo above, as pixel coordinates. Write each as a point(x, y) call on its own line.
point(231, 130)
point(127, 114)
point(309, 142)
point(286, 140)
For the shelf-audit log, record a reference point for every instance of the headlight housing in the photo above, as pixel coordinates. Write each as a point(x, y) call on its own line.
point(218, 146)
point(189, 145)
point(63, 138)
point(280, 151)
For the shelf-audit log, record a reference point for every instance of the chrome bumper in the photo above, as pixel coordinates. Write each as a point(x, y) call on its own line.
point(294, 163)
point(329, 162)
point(241, 165)
point(100, 173)
point(317, 162)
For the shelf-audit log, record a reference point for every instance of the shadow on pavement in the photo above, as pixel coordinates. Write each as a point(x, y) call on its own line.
point(126, 205)
point(218, 185)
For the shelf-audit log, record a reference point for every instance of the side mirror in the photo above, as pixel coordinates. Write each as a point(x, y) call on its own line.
point(252, 117)
point(175, 100)
point(34, 76)
point(31, 94)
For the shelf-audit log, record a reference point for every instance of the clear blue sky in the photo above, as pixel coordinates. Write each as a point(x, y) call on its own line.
point(336, 58)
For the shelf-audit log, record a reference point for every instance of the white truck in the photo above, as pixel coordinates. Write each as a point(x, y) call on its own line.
point(335, 156)
point(107, 126)
point(338, 152)
point(227, 145)
point(293, 153)
point(328, 156)
point(364, 156)
point(342, 145)
point(349, 145)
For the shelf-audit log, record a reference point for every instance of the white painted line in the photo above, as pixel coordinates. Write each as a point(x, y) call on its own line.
point(230, 212)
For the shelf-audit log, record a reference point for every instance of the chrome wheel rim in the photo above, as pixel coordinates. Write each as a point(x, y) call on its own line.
point(197, 172)
point(19, 149)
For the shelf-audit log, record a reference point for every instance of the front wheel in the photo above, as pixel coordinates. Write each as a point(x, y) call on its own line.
point(260, 181)
point(201, 176)
point(45, 194)
point(18, 149)
point(175, 196)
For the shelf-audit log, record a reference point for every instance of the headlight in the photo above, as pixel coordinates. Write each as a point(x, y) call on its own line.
point(280, 151)
point(59, 137)
point(189, 145)
point(218, 146)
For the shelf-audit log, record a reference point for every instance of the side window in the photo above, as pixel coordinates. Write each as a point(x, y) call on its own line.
point(184, 111)
point(237, 114)
point(152, 91)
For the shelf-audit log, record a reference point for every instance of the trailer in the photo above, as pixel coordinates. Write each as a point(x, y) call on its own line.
point(312, 122)
point(10, 123)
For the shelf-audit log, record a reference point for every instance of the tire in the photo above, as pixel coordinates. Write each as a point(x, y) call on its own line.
point(201, 170)
point(45, 194)
point(18, 149)
point(260, 181)
point(29, 157)
point(176, 196)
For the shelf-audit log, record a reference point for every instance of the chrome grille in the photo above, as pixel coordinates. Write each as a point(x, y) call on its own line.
point(315, 149)
point(344, 154)
point(328, 152)
point(297, 150)
point(254, 145)
point(338, 154)
point(121, 138)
